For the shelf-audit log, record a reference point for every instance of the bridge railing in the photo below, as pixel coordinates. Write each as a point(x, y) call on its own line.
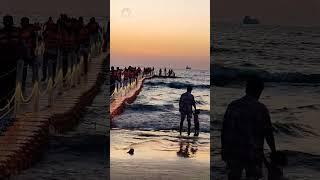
point(123, 87)
point(55, 85)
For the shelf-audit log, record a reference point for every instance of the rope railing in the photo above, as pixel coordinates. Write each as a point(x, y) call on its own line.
point(55, 85)
point(123, 87)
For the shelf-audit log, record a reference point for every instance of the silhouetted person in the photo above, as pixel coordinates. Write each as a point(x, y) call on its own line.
point(51, 40)
point(113, 79)
point(10, 52)
point(28, 38)
point(185, 107)
point(84, 40)
point(160, 72)
point(245, 126)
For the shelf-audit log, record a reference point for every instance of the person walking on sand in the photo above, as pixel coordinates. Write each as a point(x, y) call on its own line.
point(245, 126)
point(185, 108)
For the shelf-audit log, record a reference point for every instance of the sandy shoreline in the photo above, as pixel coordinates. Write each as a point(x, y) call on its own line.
point(159, 155)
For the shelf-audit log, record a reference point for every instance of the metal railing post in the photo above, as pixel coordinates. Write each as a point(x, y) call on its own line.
point(50, 82)
point(35, 79)
point(60, 72)
point(18, 91)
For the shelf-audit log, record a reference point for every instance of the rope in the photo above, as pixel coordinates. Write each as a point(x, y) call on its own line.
point(73, 74)
point(17, 98)
point(50, 92)
point(36, 97)
point(6, 113)
point(8, 104)
point(9, 72)
point(34, 90)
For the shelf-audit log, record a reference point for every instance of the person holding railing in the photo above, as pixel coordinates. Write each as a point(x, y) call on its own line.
point(11, 52)
point(106, 37)
point(52, 40)
point(113, 78)
point(118, 77)
point(94, 29)
point(68, 44)
point(28, 38)
point(84, 40)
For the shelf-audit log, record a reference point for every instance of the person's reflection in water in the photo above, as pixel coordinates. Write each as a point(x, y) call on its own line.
point(194, 147)
point(185, 149)
point(184, 152)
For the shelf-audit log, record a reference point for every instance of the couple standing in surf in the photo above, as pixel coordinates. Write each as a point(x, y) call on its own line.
point(185, 108)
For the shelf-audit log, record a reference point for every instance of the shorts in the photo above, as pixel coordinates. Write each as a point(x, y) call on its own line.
point(184, 114)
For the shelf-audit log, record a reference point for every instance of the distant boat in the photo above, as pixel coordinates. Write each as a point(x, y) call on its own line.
point(188, 67)
point(250, 20)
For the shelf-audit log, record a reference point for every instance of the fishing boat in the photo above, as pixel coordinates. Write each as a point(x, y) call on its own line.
point(188, 67)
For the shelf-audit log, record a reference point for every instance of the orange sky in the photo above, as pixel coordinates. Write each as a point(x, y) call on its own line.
point(172, 33)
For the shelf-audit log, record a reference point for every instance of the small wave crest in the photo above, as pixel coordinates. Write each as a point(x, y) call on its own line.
point(177, 85)
point(290, 129)
point(296, 158)
point(293, 129)
point(148, 107)
point(222, 74)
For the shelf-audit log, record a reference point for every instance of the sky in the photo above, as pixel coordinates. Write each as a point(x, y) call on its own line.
point(277, 12)
point(55, 7)
point(160, 33)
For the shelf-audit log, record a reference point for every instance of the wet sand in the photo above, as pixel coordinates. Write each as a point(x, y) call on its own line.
point(159, 155)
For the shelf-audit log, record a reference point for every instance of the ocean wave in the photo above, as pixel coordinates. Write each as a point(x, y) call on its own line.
point(290, 129)
point(224, 75)
point(177, 85)
point(163, 128)
point(293, 129)
point(307, 160)
point(148, 107)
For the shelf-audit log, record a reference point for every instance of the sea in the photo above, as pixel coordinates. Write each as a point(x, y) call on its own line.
point(287, 59)
point(157, 106)
point(150, 126)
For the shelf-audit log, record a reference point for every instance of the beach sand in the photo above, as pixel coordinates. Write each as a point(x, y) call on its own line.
point(159, 155)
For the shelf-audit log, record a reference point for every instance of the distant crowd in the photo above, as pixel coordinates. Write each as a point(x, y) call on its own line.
point(68, 35)
point(119, 77)
point(170, 73)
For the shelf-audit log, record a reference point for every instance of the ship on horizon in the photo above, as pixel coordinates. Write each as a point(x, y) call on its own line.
point(250, 20)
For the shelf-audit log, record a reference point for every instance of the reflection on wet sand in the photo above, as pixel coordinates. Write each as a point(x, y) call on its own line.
point(162, 153)
point(185, 149)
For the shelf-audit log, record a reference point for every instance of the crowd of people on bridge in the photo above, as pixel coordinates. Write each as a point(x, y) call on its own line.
point(120, 77)
point(170, 73)
point(67, 36)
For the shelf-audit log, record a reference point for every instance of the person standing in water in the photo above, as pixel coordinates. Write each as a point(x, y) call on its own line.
point(245, 126)
point(185, 108)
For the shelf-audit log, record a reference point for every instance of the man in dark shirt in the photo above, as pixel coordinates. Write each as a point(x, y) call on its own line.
point(185, 108)
point(28, 38)
point(245, 126)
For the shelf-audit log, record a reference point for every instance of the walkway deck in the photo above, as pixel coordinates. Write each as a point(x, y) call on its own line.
point(23, 142)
